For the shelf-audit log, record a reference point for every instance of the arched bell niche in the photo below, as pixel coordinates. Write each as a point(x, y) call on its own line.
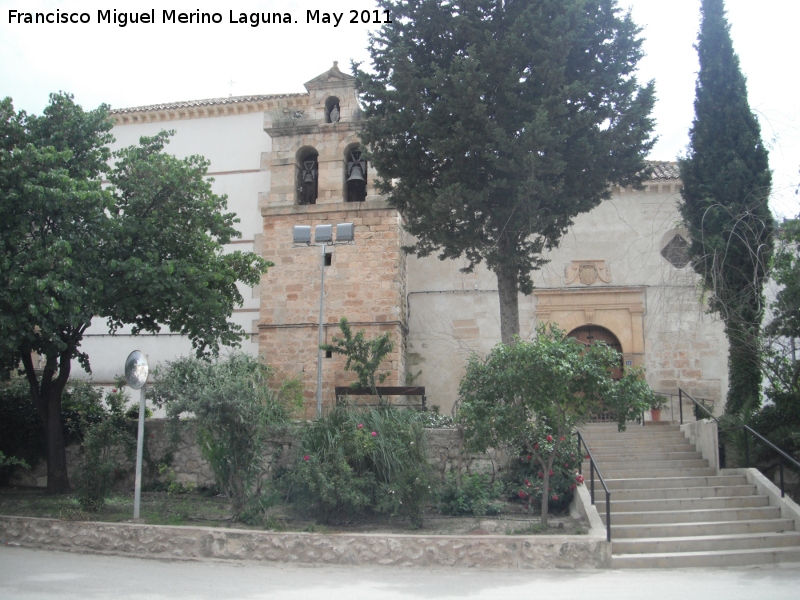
point(307, 175)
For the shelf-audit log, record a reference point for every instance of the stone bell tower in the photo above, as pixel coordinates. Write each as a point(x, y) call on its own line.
point(317, 176)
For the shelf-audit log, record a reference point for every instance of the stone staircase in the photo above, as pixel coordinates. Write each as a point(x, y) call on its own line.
point(670, 509)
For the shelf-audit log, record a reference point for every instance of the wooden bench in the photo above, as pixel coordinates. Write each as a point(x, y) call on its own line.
point(384, 390)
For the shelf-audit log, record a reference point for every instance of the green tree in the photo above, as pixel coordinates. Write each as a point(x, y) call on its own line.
point(529, 396)
point(493, 124)
point(363, 357)
point(146, 251)
point(726, 185)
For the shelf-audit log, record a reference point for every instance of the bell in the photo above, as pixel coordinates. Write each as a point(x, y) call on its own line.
point(308, 177)
point(355, 173)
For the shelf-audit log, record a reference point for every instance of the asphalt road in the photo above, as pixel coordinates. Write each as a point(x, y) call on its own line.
point(38, 575)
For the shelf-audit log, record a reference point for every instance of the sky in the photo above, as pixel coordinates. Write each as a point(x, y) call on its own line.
point(142, 64)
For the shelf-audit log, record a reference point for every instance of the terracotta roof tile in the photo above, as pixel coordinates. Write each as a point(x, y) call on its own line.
point(663, 170)
point(207, 102)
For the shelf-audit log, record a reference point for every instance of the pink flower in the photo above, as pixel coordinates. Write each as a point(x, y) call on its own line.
point(528, 483)
point(306, 457)
point(374, 434)
point(114, 390)
point(361, 426)
point(549, 438)
point(579, 478)
point(573, 486)
point(555, 497)
point(561, 439)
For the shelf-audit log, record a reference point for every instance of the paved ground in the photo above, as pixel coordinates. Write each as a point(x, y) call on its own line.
point(38, 575)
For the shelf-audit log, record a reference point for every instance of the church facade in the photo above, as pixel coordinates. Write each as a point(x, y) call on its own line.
point(620, 275)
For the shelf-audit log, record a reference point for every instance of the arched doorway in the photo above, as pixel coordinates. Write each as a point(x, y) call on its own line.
point(591, 334)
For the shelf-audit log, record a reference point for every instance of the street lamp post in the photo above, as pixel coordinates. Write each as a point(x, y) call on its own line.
point(136, 371)
point(323, 236)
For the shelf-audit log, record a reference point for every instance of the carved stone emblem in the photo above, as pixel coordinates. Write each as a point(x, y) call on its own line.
point(587, 272)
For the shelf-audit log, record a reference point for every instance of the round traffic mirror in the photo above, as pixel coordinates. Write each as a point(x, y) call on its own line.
point(136, 370)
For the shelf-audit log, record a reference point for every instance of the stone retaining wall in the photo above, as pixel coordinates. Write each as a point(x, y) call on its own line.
point(151, 541)
point(189, 467)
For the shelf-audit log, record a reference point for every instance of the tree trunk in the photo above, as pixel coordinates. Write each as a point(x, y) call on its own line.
point(57, 478)
point(46, 396)
point(744, 368)
point(509, 305)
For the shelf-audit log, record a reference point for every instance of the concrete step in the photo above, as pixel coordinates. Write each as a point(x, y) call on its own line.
point(652, 483)
point(681, 504)
point(706, 543)
point(678, 492)
point(653, 473)
point(729, 558)
point(703, 515)
point(649, 455)
point(752, 526)
point(646, 464)
point(645, 449)
point(654, 436)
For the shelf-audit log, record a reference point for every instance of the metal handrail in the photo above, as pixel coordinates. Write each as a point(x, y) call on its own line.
point(593, 468)
point(783, 455)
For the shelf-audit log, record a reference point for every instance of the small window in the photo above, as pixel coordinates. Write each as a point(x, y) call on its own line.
point(676, 252)
point(307, 176)
point(328, 259)
point(328, 354)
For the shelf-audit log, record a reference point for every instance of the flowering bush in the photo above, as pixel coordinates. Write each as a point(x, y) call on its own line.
point(523, 480)
point(362, 460)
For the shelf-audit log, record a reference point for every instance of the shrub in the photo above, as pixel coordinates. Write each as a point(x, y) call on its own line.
point(354, 461)
point(235, 408)
point(524, 477)
point(474, 496)
point(21, 433)
point(107, 440)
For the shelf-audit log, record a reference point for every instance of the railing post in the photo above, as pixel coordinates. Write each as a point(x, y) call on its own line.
point(680, 403)
point(608, 517)
point(780, 462)
point(580, 454)
point(746, 450)
point(591, 467)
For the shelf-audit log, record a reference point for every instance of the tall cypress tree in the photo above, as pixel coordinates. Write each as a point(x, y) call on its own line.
point(727, 181)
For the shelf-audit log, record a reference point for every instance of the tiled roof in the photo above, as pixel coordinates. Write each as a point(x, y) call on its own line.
point(207, 102)
point(663, 170)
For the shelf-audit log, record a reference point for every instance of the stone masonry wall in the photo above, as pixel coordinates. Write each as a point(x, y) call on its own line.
point(189, 467)
point(365, 283)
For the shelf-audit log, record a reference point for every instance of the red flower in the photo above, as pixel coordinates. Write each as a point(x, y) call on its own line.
point(114, 390)
point(536, 446)
point(579, 478)
point(521, 494)
point(529, 457)
point(588, 457)
point(541, 474)
point(361, 426)
point(549, 438)
point(528, 483)
point(561, 438)
point(551, 472)
point(573, 486)
point(555, 497)
point(374, 434)
point(306, 457)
